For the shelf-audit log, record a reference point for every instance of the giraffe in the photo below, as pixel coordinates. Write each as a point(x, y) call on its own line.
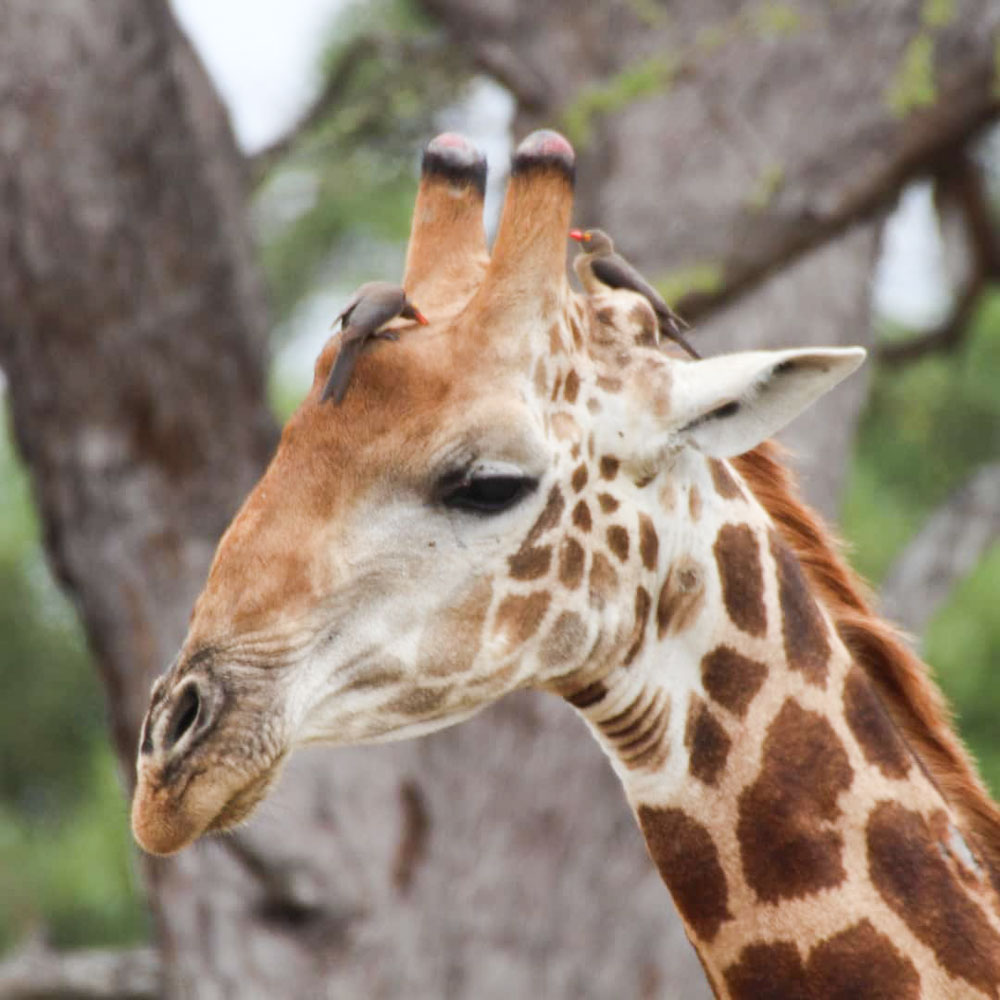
point(532, 491)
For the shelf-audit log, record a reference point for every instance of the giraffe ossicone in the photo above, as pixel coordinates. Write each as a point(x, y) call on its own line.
point(530, 491)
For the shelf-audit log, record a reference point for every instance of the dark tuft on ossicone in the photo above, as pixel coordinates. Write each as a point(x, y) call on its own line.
point(456, 159)
point(544, 150)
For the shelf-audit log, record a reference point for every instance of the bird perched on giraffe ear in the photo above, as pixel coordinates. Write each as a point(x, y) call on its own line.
point(372, 306)
point(599, 267)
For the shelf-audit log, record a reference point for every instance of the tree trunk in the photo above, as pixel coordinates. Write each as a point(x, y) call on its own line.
point(494, 860)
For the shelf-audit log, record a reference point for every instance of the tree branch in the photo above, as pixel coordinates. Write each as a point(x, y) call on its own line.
point(946, 550)
point(91, 974)
point(959, 185)
point(779, 239)
point(335, 88)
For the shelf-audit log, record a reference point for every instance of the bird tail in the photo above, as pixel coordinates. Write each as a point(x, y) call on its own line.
point(343, 369)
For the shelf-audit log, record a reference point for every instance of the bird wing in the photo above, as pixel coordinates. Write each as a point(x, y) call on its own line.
point(616, 272)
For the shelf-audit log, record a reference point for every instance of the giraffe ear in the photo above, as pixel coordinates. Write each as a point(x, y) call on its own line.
point(727, 405)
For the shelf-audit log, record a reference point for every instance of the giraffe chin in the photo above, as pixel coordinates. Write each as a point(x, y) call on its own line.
point(164, 824)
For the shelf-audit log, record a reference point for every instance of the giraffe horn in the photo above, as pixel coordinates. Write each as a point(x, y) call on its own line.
point(528, 262)
point(447, 254)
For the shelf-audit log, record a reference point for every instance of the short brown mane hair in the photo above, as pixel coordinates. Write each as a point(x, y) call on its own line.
point(901, 679)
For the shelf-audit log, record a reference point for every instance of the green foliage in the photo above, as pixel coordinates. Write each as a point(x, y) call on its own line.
point(963, 643)
point(927, 425)
point(769, 182)
point(359, 157)
point(641, 79)
point(774, 19)
point(912, 85)
point(938, 13)
point(926, 428)
point(64, 840)
point(703, 276)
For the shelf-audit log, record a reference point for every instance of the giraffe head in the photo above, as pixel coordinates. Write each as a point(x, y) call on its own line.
point(480, 514)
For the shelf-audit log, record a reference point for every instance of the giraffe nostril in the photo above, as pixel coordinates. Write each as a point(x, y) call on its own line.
point(184, 715)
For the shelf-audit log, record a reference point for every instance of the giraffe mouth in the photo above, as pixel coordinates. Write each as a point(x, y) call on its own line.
point(242, 803)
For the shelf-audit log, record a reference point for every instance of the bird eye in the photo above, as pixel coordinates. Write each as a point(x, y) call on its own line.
point(485, 494)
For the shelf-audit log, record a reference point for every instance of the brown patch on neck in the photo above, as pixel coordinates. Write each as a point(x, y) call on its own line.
point(872, 727)
point(725, 485)
point(911, 698)
point(649, 542)
point(732, 679)
point(908, 869)
point(807, 647)
point(707, 742)
point(788, 846)
point(452, 637)
point(857, 962)
point(688, 862)
point(738, 557)
point(681, 599)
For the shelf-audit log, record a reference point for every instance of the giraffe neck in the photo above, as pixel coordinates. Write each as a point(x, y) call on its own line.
point(802, 841)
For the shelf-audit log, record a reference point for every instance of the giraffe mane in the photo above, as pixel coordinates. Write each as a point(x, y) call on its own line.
point(902, 680)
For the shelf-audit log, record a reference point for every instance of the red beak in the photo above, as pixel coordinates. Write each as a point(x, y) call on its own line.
point(578, 234)
point(421, 318)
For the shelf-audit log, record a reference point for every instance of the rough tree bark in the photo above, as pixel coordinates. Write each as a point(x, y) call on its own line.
point(498, 858)
point(725, 145)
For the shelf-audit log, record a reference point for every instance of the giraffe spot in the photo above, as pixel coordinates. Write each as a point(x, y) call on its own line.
point(372, 681)
point(555, 340)
point(603, 580)
point(707, 742)
point(572, 387)
point(606, 315)
point(609, 383)
point(541, 378)
point(909, 870)
point(581, 516)
point(642, 317)
point(571, 560)
point(668, 495)
point(617, 538)
point(556, 388)
point(787, 845)
point(609, 504)
point(519, 616)
point(861, 962)
point(731, 679)
point(643, 481)
point(694, 503)
point(738, 559)
point(530, 563)
point(579, 478)
point(807, 647)
point(594, 405)
point(725, 483)
point(576, 332)
point(681, 599)
point(643, 602)
point(587, 696)
point(565, 640)
point(609, 466)
point(856, 962)
point(872, 728)
point(637, 734)
point(548, 518)
point(768, 972)
point(420, 701)
point(565, 428)
point(649, 542)
point(688, 862)
point(450, 641)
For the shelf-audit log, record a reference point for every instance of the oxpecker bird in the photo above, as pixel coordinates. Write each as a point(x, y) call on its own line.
point(599, 267)
point(372, 306)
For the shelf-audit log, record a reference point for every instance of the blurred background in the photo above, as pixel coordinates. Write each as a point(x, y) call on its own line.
point(189, 192)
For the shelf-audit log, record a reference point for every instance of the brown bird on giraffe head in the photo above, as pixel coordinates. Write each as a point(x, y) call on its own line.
point(600, 267)
point(372, 306)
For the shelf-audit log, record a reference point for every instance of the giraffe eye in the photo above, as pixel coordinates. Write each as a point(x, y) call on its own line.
point(485, 494)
